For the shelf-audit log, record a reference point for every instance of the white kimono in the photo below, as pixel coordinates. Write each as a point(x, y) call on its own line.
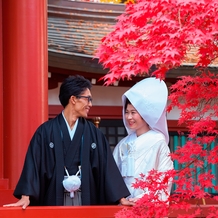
point(135, 155)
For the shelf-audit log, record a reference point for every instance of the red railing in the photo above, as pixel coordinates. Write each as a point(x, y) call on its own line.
point(83, 211)
point(61, 211)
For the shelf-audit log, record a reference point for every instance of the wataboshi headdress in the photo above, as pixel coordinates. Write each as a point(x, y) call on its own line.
point(149, 98)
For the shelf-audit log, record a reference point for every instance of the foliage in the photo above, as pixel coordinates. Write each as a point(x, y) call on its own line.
point(150, 38)
point(160, 33)
point(196, 97)
point(109, 1)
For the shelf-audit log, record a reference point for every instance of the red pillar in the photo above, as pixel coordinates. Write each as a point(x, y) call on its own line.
point(3, 182)
point(25, 79)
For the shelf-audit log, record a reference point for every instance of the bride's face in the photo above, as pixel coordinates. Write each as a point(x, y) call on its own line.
point(134, 120)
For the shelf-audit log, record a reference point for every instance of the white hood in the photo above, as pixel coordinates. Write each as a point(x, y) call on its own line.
point(149, 98)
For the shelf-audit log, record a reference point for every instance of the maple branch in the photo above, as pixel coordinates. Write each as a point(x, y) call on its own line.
point(195, 159)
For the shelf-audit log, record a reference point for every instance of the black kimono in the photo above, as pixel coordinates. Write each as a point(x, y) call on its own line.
point(51, 149)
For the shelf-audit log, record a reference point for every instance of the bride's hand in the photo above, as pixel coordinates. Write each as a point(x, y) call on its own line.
point(125, 202)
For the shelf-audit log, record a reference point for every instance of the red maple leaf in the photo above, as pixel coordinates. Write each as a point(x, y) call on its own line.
point(162, 29)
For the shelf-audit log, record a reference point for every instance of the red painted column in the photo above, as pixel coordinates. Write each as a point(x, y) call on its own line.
point(3, 182)
point(25, 79)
